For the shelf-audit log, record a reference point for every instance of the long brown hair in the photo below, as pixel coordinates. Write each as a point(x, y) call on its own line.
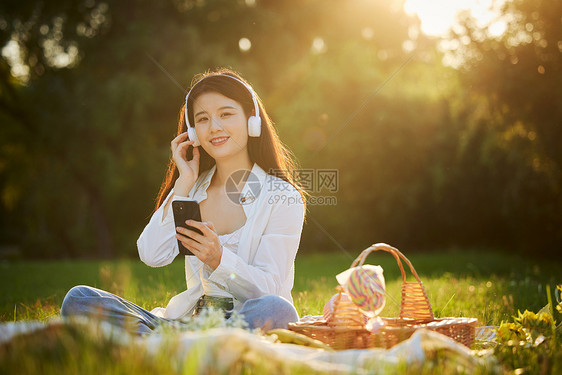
point(267, 150)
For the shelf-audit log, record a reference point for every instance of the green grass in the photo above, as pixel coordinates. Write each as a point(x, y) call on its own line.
point(485, 285)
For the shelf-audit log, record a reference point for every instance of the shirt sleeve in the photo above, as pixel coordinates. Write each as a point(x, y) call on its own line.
point(157, 244)
point(274, 258)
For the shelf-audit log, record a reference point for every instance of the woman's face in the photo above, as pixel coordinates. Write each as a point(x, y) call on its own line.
point(221, 125)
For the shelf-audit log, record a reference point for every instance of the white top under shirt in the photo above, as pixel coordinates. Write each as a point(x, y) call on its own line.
point(230, 241)
point(263, 261)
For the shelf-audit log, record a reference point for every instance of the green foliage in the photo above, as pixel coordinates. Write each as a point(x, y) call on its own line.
point(513, 141)
point(438, 157)
point(536, 324)
point(510, 332)
point(532, 343)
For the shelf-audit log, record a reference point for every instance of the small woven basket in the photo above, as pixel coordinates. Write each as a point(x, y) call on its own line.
point(415, 313)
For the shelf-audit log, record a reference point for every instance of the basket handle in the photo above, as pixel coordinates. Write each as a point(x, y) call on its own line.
point(415, 304)
point(392, 250)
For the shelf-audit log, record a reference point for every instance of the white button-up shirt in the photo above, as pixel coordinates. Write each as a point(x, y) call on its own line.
point(264, 263)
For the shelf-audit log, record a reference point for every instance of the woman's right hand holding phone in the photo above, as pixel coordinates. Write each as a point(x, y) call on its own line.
point(188, 169)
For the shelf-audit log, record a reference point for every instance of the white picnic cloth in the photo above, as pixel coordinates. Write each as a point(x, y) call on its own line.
point(220, 348)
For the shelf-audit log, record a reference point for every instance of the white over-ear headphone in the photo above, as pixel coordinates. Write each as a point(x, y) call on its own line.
point(254, 122)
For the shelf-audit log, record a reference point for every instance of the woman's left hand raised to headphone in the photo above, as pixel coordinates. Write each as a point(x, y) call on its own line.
point(188, 169)
point(206, 247)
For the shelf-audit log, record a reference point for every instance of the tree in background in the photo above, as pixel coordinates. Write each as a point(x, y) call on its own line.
point(437, 157)
point(510, 147)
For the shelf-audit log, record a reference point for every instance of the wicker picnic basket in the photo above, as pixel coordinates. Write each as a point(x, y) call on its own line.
point(346, 329)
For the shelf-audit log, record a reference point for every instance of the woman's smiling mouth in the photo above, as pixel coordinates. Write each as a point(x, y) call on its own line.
point(219, 141)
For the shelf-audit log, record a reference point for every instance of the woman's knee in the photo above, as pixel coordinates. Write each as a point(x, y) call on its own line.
point(80, 291)
point(73, 299)
point(279, 304)
point(270, 311)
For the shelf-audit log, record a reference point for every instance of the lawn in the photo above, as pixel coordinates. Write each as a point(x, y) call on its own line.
point(485, 285)
point(489, 286)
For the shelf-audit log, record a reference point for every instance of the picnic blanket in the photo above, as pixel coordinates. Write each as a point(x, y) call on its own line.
point(218, 349)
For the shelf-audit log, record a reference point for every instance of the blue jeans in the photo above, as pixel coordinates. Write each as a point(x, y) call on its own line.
point(267, 312)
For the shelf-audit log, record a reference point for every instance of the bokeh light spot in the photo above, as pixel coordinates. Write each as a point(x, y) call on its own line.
point(244, 44)
point(367, 33)
point(541, 69)
point(318, 45)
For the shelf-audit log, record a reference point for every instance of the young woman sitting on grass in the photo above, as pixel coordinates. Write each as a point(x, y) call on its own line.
point(244, 259)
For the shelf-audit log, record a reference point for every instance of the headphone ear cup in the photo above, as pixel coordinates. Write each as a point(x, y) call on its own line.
point(254, 126)
point(192, 134)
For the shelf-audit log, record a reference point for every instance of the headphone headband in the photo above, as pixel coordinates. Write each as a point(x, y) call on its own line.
point(254, 99)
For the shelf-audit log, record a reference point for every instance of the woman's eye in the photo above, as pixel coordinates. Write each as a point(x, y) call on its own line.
point(226, 114)
point(201, 119)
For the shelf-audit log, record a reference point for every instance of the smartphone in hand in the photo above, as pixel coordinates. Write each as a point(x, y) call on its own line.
point(183, 211)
